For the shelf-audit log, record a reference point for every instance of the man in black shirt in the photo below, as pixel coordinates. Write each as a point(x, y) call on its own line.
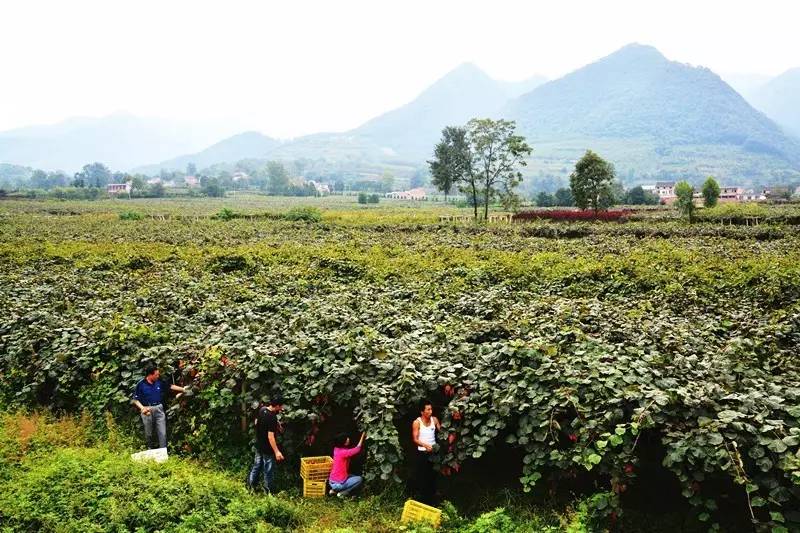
point(267, 452)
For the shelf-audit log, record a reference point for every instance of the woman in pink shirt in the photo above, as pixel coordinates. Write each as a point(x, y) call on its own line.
point(342, 484)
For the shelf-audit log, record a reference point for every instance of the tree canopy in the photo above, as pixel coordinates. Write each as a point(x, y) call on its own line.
point(685, 200)
point(591, 182)
point(452, 160)
point(710, 191)
point(483, 159)
point(93, 175)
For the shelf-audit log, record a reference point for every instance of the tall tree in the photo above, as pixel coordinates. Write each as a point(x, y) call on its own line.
point(387, 181)
point(591, 182)
point(452, 162)
point(418, 179)
point(157, 190)
point(497, 153)
point(710, 192)
point(214, 188)
point(300, 166)
point(93, 175)
point(191, 169)
point(278, 177)
point(685, 199)
point(138, 184)
point(39, 179)
point(564, 197)
point(638, 196)
point(545, 199)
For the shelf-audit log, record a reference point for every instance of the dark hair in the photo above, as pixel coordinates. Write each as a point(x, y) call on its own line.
point(340, 440)
point(150, 368)
point(425, 403)
point(276, 400)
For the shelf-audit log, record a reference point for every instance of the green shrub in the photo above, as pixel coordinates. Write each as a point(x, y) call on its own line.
point(305, 214)
point(130, 215)
point(92, 489)
point(226, 214)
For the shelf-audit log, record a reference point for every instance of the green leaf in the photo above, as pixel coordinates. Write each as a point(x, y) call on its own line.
point(777, 446)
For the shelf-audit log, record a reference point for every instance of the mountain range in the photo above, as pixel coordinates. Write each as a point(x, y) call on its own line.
point(651, 116)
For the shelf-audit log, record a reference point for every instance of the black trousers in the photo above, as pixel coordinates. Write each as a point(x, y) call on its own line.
point(425, 479)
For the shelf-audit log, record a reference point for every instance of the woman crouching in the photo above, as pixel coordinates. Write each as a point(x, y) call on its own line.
point(341, 482)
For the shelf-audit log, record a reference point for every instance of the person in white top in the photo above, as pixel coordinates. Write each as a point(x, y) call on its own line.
point(423, 433)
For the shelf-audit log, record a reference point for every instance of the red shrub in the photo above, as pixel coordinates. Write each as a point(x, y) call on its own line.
point(571, 215)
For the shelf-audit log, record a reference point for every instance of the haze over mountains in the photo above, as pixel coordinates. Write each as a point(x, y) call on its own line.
point(651, 116)
point(779, 99)
point(121, 141)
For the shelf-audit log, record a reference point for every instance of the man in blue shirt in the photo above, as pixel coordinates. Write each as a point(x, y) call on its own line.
point(149, 398)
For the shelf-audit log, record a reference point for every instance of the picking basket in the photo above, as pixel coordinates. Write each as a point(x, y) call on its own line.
point(414, 511)
point(314, 489)
point(316, 468)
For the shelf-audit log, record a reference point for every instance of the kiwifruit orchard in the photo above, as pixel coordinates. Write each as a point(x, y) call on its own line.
point(599, 356)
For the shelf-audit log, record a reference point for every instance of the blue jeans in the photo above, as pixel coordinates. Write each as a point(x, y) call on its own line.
point(264, 462)
point(348, 485)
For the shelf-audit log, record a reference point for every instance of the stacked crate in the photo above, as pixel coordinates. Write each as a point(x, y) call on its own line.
point(315, 472)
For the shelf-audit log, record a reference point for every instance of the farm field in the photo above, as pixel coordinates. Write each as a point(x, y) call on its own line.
point(645, 368)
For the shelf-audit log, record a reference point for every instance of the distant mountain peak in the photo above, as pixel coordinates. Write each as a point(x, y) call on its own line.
point(468, 67)
point(637, 97)
point(463, 73)
point(636, 52)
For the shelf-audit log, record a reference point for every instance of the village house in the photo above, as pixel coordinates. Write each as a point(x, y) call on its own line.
point(412, 194)
point(119, 188)
point(321, 188)
point(665, 190)
point(730, 194)
point(191, 181)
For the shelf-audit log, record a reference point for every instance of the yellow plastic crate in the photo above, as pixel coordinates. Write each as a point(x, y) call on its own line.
point(414, 511)
point(316, 468)
point(314, 489)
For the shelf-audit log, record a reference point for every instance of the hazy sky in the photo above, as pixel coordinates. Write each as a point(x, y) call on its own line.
point(294, 67)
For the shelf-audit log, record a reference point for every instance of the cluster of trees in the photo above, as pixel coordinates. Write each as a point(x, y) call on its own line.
point(563, 197)
point(364, 198)
point(48, 180)
point(272, 177)
point(88, 183)
point(482, 160)
point(685, 193)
